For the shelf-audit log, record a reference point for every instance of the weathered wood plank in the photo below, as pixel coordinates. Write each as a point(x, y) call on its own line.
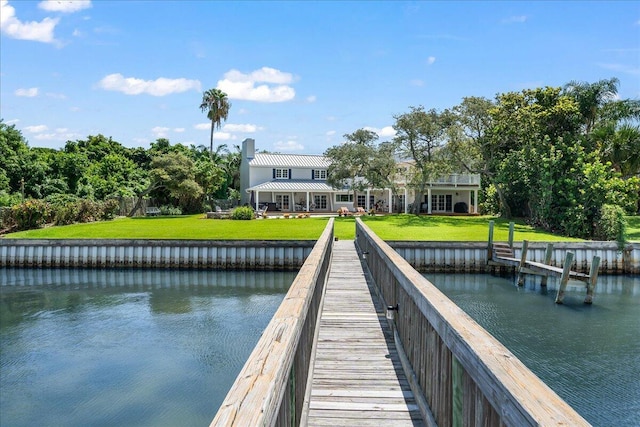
point(357, 378)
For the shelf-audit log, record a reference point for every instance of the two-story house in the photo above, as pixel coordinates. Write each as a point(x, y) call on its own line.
point(298, 183)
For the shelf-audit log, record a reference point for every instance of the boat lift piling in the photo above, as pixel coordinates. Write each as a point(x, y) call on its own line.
point(502, 254)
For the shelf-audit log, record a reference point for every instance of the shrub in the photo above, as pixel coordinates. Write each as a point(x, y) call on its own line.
point(612, 225)
point(242, 212)
point(109, 209)
point(65, 214)
point(88, 211)
point(170, 210)
point(30, 214)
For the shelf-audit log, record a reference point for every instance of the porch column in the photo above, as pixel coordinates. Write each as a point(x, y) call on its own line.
point(308, 201)
point(292, 202)
point(257, 199)
point(390, 209)
point(429, 200)
point(406, 200)
point(475, 201)
point(366, 202)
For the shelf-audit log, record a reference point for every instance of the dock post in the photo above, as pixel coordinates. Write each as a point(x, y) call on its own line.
point(490, 242)
point(593, 278)
point(457, 390)
point(565, 277)
point(547, 260)
point(523, 260)
point(511, 228)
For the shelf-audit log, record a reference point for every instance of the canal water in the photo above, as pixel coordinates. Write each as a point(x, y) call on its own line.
point(589, 355)
point(127, 347)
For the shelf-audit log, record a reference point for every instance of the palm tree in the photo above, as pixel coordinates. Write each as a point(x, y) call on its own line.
point(217, 105)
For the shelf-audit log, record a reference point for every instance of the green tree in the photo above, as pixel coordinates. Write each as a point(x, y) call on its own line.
point(420, 136)
point(358, 163)
point(173, 172)
point(217, 105)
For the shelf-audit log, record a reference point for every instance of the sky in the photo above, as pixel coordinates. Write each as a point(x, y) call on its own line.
point(299, 74)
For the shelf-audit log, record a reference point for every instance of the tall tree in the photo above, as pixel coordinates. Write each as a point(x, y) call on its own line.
point(174, 172)
point(420, 136)
point(217, 105)
point(359, 163)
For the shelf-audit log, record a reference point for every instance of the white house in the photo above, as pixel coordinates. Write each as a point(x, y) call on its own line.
point(295, 182)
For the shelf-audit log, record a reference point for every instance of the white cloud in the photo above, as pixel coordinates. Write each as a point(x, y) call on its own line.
point(65, 6)
point(159, 87)
point(36, 129)
point(431, 60)
point(225, 136)
point(203, 126)
point(387, 131)
point(245, 128)
point(35, 31)
point(179, 130)
point(29, 93)
point(311, 99)
point(416, 82)
point(288, 146)
point(515, 19)
point(56, 95)
point(238, 85)
point(331, 133)
point(160, 132)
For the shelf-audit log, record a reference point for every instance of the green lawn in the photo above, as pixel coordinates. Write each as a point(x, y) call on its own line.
point(393, 227)
point(454, 228)
point(184, 227)
point(633, 228)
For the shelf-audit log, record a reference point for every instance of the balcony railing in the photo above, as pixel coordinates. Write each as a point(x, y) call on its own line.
point(454, 179)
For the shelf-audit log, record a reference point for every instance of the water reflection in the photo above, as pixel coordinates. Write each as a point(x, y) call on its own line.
point(589, 354)
point(127, 347)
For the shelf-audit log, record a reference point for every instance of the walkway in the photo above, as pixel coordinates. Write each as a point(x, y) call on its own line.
point(357, 375)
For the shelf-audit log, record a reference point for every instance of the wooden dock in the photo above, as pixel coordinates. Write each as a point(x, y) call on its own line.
point(357, 377)
point(502, 254)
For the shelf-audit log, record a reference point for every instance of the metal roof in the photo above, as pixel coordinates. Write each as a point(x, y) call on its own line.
point(296, 185)
point(290, 160)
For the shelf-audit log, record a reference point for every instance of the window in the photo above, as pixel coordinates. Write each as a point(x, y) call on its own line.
point(344, 198)
point(362, 200)
point(320, 174)
point(281, 173)
point(441, 202)
point(320, 201)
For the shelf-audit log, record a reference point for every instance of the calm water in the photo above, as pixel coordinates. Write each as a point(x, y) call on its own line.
point(124, 347)
point(590, 355)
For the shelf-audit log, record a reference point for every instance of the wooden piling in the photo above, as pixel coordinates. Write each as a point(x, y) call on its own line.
point(511, 229)
point(564, 278)
point(547, 260)
point(523, 260)
point(593, 278)
point(490, 240)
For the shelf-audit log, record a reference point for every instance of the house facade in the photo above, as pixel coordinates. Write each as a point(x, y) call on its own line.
point(298, 183)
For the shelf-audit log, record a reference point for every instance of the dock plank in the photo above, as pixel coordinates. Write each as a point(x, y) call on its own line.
point(357, 377)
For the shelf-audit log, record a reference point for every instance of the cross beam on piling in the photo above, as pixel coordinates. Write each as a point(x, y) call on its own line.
point(501, 254)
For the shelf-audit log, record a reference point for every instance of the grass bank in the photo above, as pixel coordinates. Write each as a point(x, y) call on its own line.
point(393, 227)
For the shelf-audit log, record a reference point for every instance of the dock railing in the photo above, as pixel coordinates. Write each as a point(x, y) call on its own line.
point(467, 377)
point(270, 389)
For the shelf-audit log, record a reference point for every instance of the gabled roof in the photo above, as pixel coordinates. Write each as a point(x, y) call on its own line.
point(289, 161)
point(293, 185)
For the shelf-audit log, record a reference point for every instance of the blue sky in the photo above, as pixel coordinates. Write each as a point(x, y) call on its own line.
point(300, 74)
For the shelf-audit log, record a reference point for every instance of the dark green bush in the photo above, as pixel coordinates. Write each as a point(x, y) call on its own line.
point(243, 213)
point(65, 214)
point(612, 225)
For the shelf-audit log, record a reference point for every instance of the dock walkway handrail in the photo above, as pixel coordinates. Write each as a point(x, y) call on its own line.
point(467, 376)
point(271, 387)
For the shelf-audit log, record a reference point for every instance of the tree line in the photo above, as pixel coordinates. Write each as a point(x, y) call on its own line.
point(565, 158)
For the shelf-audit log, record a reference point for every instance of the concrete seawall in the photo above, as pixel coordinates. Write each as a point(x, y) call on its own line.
point(445, 257)
point(197, 254)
